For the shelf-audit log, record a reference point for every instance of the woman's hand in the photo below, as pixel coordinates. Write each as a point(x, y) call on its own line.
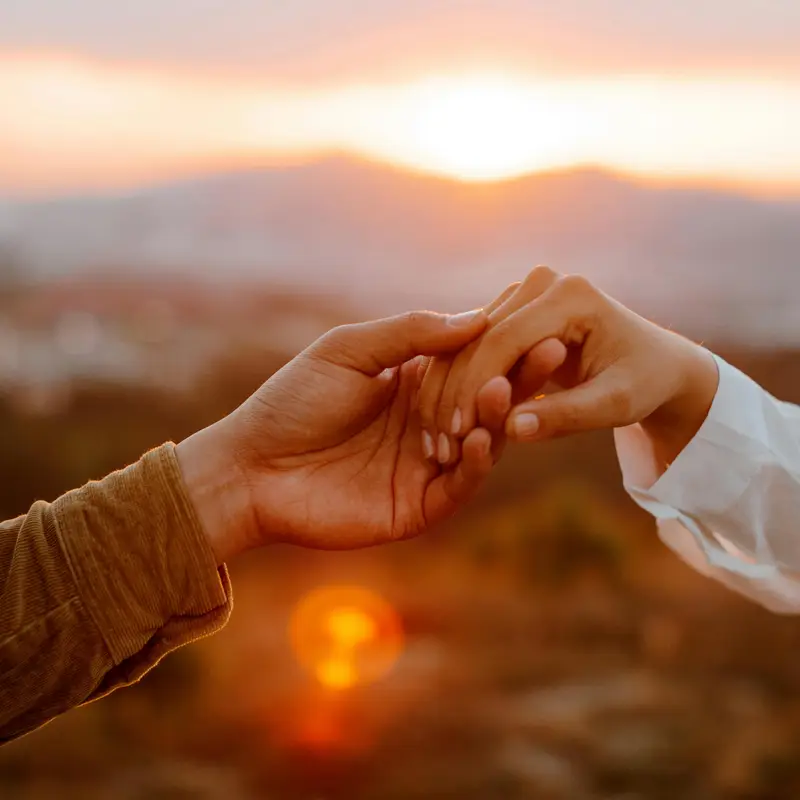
point(620, 369)
point(534, 368)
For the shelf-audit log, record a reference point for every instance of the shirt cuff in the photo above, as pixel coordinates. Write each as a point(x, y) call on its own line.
point(695, 480)
point(143, 566)
point(711, 474)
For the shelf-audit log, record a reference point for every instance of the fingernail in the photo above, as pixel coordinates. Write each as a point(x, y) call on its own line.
point(526, 425)
point(455, 428)
point(444, 448)
point(465, 319)
point(427, 445)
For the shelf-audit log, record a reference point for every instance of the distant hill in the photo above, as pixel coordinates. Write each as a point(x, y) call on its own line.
point(716, 265)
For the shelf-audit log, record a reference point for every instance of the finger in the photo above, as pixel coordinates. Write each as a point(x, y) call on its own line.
point(502, 298)
point(536, 368)
point(448, 449)
point(422, 368)
point(453, 488)
point(494, 400)
point(371, 347)
point(536, 283)
point(603, 402)
point(564, 312)
point(474, 467)
point(494, 405)
point(431, 391)
point(436, 441)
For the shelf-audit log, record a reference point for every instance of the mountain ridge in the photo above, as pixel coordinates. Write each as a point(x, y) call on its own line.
point(700, 259)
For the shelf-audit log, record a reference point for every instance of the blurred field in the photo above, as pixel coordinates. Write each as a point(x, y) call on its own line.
point(554, 648)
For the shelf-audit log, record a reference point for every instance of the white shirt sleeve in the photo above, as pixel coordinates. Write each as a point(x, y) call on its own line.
point(729, 505)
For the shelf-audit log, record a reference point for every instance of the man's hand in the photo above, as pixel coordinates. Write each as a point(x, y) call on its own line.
point(328, 453)
point(620, 369)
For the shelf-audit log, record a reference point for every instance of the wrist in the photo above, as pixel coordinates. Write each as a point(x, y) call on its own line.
point(676, 422)
point(216, 488)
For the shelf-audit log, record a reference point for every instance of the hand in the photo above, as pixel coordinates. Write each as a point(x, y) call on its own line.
point(528, 377)
point(620, 369)
point(328, 452)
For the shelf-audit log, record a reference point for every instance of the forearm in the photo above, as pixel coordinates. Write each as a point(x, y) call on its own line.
point(97, 587)
point(675, 423)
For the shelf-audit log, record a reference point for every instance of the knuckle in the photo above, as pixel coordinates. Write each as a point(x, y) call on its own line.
point(576, 286)
point(418, 319)
point(345, 345)
point(542, 273)
point(578, 301)
point(537, 282)
point(335, 339)
point(336, 334)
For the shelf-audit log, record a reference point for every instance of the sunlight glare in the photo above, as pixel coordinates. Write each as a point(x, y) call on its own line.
point(69, 123)
point(350, 627)
point(345, 636)
point(337, 673)
point(476, 129)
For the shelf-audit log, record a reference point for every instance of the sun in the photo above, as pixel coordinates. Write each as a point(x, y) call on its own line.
point(476, 128)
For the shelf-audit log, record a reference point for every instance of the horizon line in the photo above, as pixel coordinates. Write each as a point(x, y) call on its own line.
point(766, 190)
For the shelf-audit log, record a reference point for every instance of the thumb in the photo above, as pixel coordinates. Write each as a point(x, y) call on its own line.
point(372, 347)
point(599, 403)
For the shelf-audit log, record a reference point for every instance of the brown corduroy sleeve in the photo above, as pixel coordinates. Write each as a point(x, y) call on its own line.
point(98, 586)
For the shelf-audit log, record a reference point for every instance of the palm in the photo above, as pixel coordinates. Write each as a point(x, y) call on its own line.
point(357, 476)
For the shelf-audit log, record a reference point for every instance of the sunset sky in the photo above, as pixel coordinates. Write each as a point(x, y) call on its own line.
point(103, 94)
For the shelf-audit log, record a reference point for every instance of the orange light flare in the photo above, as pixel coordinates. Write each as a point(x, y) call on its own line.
point(345, 636)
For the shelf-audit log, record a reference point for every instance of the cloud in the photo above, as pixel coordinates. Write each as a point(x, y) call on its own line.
point(311, 39)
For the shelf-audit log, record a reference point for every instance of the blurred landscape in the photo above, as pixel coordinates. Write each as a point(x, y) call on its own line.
point(389, 240)
point(192, 192)
point(553, 647)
